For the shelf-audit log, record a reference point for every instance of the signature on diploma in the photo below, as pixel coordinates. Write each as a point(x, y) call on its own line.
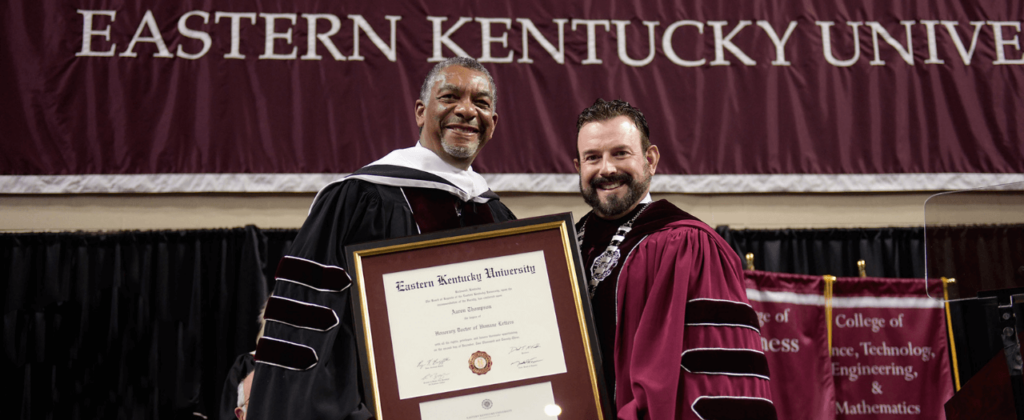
point(431, 363)
point(435, 377)
point(527, 363)
point(523, 349)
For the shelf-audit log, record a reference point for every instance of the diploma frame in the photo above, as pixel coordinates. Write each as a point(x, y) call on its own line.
point(579, 392)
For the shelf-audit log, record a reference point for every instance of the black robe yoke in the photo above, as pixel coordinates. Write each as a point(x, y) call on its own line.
point(322, 381)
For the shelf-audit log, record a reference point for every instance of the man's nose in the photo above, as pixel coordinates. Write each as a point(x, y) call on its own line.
point(465, 109)
point(607, 167)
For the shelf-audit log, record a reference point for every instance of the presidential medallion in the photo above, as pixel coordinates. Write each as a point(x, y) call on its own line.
point(604, 264)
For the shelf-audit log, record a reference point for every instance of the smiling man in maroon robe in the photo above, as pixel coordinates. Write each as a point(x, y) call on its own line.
point(678, 337)
point(306, 363)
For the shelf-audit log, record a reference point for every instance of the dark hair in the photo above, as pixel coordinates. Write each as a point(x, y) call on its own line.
point(467, 62)
point(603, 110)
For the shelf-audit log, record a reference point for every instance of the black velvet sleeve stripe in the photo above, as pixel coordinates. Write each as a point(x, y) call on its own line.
point(733, 362)
point(734, 408)
point(300, 314)
point(285, 354)
point(327, 278)
point(715, 312)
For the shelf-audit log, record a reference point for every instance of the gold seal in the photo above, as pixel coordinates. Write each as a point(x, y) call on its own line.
point(480, 363)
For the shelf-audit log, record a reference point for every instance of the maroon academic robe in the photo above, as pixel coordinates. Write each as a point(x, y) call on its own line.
point(687, 344)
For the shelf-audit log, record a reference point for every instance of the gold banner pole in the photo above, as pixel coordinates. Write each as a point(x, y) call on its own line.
point(829, 282)
point(949, 330)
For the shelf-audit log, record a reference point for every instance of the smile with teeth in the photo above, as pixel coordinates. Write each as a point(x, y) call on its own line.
point(464, 129)
point(611, 182)
point(611, 185)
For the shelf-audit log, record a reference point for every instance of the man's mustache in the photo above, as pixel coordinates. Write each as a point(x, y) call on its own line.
point(624, 178)
point(460, 120)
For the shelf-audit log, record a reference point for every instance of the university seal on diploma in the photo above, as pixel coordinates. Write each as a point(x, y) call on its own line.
point(480, 362)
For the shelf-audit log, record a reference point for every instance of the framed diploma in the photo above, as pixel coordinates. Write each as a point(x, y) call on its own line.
point(487, 322)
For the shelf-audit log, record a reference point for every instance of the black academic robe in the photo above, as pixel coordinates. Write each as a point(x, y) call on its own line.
point(305, 373)
point(229, 394)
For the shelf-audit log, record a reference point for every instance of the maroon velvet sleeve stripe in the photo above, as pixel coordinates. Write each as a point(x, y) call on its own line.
point(721, 312)
point(285, 354)
point(734, 362)
point(734, 408)
point(311, 274)
point(300, 314)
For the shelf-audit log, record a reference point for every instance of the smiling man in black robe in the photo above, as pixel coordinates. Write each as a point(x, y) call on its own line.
point(306, 363)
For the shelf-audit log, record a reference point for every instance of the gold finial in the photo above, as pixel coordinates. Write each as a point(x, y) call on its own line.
point(862, 268)
point(750, 261)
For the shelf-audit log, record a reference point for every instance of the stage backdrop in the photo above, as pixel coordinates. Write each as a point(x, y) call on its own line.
point(271, 95)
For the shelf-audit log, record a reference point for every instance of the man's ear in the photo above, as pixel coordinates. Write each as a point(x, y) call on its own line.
point(420, 111)
point(576, 162)
point(653, 156)
point(239, 413)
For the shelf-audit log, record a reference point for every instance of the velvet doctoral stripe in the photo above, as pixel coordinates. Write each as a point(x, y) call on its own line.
point(712, 312)
point(313, 275)
point(725, 361)
point(133, 325)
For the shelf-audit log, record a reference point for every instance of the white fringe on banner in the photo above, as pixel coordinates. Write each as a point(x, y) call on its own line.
point(535, 183)
point(844, 302)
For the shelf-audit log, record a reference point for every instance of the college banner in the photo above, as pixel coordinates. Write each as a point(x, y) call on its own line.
point(889, 354)
point(791, 311)
point(271, 95)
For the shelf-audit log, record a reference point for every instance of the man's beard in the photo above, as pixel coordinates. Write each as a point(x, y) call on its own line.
point(460, 152)
point(635, 191)
point(456, 151)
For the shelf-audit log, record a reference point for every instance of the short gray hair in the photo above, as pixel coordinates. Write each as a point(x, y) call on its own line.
point(467, 62)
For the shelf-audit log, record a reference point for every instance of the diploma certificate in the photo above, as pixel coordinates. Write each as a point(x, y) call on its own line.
point(476, 323)
point(482, 322)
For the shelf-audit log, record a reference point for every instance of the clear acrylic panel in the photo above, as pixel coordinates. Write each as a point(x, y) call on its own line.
point(974, 237)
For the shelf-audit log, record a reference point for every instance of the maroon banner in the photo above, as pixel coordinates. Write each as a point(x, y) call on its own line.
point(890, 359)
point(790, 308)
point(825, 95)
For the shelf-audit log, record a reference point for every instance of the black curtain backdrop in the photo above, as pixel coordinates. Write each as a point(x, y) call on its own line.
point(135, 325)
point(986, 256)
point(146, 325)
point(887, 252)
